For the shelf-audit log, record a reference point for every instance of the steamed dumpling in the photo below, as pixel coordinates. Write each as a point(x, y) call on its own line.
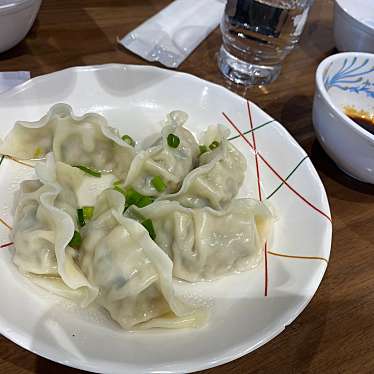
point(162, 160)
point(35, 250)
point(204, 243)
point(41, 235)
point(86, 140)
point(133, 274)
point(192, 229)
point(219, 176)
point(44, 224)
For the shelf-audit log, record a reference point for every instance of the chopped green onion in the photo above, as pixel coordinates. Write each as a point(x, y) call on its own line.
point(38, 152)
point(81, 220)
point(88, 212)
point(203, 149)
point(128, 139)
point(158, 183)
point(214, 145)
point(84, 214)
point(173, 141)
point(148, 224)
point(132, 196)
point(89, 171)
point(119, 189)
point(76, 240)
point(144, 201)
point(135, 198)
point(117, 182)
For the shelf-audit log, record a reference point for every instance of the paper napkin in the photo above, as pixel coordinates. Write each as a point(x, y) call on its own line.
point(173, 33)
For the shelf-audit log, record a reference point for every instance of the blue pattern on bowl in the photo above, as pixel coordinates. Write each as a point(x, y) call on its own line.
point(352, 76)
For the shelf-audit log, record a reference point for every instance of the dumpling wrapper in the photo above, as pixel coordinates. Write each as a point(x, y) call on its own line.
point(133, 274)
point(205, 244)
point(171, 164)
point(44, 224)
point(218, 178)
point(85, 140)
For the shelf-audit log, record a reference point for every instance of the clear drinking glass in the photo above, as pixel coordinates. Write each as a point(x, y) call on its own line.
point(257, 36)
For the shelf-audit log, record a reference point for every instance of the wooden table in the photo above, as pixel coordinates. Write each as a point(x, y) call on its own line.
point(336, 331)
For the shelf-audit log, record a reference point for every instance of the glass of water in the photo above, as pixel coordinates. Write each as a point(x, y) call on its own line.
point(257, 36)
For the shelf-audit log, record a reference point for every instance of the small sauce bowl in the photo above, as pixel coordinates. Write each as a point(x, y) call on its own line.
point(345, 85)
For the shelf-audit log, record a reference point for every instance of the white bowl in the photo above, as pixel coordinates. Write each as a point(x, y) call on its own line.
point(16, 19)
point(354, 25)
point(345, 79)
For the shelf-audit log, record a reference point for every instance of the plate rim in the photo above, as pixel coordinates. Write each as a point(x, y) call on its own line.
point(240, 350)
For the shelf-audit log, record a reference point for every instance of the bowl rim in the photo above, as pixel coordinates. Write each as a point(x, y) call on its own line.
point(17, 5)
point(363, 26)
point(321, 88)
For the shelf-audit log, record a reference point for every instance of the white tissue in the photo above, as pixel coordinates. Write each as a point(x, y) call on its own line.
point(172, 34)
point(10, 79)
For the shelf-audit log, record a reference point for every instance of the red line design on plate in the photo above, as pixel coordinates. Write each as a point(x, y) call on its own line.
point(266, 269)
point(298, 257)
point(274, 171)
point(259, 192)
point(6, 245)
point(255, 149)
point(5, 224)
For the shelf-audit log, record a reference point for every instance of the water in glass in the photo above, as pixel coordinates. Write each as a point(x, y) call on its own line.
point(257, 36)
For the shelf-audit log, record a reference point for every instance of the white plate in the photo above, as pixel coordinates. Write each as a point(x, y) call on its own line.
point(135, 98)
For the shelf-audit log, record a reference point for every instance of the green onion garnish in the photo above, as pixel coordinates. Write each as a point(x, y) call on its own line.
point(203, 148)
point(128, 139)
point(81, 220)
point(117, 182)
point(84, 214)
point(76, 240)
point(88, 212)
point(214, 145)
point(148, 224)
point(38, 152)
point(119, 189)
point(144, 201)
point(173, 141)
point(132, 196)
point(89, 171)
point(158, 183)
point(135, 198)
